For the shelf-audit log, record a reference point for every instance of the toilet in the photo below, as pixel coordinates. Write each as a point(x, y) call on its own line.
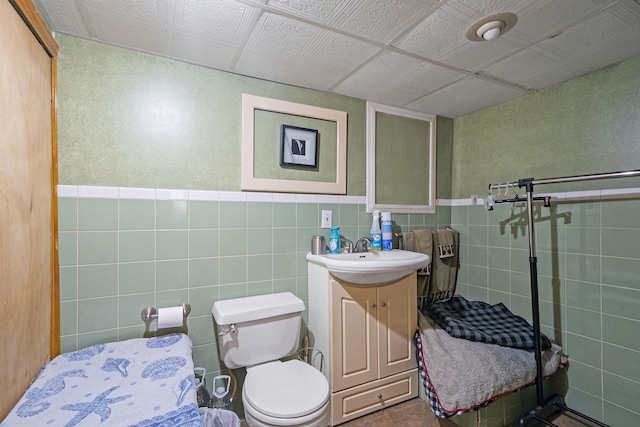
point(255, 332)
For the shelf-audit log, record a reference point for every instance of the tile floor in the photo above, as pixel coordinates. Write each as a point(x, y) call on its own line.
point(417, 413)
point(413, 413)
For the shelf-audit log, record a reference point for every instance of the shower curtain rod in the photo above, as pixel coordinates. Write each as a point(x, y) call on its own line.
point(574, 178)
point(556, 402)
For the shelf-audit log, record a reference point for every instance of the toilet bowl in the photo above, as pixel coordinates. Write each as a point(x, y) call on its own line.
point(255, 332)
point(290, 393)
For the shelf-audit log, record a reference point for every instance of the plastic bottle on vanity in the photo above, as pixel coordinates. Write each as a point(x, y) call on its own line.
point(387, 232)
point(375, 234)
point(334, 240)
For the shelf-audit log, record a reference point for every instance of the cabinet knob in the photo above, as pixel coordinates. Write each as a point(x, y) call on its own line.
point(379, 396)
point(373, 306)
point(384, 304)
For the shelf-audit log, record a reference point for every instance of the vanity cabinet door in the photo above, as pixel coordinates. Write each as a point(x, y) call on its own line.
point(354, 350)
point(372, 331)
point(397, 320)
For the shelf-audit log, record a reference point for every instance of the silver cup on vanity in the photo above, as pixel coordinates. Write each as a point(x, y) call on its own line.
point(318, 245)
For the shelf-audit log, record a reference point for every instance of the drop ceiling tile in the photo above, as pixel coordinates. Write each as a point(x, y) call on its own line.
point(125, 30)
point(147, 10)
point(533, 69)
point(264, 65)
point(222, 21)
point(623, 47)
point(428, 78)
point(384, 20)
point(340, 53)
point(437, 34)
point(580, 40)
point(322, 11)
point(397, 97)
point(282, 36)
point(388, 68)
point(380, 93)
point(314, 77)
point(465, 96)
point(362, 88)
point(202, 51)
point(482, 8)
point(547, 18)
point(419, 79)
point(64, 17)
point(474, 56)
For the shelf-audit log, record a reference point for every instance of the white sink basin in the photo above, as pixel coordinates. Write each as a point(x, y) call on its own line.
point(371, 268)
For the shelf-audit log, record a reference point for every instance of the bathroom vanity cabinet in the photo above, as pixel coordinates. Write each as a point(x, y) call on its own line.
point(366, 336)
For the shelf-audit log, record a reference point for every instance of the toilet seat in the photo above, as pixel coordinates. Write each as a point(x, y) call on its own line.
point(285, 390)
point(254, 418)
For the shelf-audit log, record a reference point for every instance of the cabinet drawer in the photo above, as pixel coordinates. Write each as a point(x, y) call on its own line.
point(370, 397)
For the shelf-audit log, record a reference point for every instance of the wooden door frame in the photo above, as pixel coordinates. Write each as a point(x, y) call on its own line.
point(41, 32)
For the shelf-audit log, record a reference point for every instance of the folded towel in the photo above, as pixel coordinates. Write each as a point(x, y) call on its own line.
point(445, 268)
point(446, 244)
point(408, 242)
point(421, 241)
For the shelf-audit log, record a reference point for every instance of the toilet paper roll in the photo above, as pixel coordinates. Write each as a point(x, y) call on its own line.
point(170, 317)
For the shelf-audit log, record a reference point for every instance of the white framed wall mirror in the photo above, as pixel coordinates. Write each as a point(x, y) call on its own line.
point(401, 160)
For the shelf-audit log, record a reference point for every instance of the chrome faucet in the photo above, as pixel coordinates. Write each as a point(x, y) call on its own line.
point(349, 246)
point(362, 245)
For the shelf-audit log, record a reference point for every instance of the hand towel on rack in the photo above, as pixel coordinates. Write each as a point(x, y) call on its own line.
point(408, 243)
point(444, 266)
point(423, 242)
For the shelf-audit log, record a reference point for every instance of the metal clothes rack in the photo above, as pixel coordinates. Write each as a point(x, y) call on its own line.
point(555, 403)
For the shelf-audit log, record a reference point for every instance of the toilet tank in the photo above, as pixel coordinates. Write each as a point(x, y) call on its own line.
point(257, 329)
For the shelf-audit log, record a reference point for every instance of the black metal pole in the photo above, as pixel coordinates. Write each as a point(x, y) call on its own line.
point(535, 306)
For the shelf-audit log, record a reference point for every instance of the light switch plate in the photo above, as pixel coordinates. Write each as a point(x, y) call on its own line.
point(326, 219)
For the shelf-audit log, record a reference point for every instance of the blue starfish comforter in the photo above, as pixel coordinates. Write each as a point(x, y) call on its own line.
point(140, 382)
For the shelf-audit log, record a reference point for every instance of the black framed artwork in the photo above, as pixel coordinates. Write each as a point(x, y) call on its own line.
point(299, 147)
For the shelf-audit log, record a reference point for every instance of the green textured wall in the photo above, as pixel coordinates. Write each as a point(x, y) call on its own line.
point(583, 126)
point(406, 140)
point(444, 157)
point(127, 119)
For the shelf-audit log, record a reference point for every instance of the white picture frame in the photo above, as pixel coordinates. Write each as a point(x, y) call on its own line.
point(251, 103)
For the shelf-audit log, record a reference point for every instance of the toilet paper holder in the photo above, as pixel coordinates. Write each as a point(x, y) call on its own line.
point(149, 314)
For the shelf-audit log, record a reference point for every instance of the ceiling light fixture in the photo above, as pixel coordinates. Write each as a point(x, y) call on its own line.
point(491, 27)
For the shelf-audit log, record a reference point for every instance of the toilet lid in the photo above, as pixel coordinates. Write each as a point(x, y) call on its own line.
point(286, 389)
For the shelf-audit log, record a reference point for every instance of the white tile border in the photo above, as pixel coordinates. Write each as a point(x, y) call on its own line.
point(259, 197)
point(204, 195)
point(92, 192)
point(284, 198)
point(166, 194)
point(137, 193)
point(67, 191)
point(233, 196)
point(87, 191)
point(329, 199)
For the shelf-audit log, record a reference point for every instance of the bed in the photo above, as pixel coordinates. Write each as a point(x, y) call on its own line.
point(140, 382)
point(461, 375)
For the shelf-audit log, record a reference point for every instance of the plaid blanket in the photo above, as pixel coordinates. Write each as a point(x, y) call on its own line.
point(479, 321)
